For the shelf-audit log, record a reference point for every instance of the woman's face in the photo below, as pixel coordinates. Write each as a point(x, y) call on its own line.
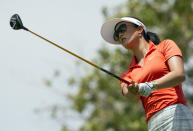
point(128, 36)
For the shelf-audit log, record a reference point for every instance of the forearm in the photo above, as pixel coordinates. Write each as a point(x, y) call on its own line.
point(169, 80)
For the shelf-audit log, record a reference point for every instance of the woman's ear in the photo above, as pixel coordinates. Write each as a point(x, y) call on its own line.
point(140, 29)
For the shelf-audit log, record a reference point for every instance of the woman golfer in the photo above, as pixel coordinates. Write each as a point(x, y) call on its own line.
point(156, 71)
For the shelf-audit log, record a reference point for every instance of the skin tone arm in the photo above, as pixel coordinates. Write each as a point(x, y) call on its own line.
point(173, 78)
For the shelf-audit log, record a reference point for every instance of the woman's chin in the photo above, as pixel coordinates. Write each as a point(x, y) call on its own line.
point(127, 43)
point(130, 45)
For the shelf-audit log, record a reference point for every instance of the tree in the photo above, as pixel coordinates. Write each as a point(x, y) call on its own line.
point(100, 94)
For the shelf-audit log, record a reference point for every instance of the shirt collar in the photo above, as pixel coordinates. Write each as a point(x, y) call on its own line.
point(151, 45)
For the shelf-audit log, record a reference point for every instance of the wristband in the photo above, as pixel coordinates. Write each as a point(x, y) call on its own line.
point(155, 85)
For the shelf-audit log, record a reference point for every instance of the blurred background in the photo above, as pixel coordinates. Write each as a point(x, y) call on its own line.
point(43, 88)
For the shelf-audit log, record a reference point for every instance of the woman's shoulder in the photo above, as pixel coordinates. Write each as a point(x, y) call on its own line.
point(166, 42)
point(168, 46)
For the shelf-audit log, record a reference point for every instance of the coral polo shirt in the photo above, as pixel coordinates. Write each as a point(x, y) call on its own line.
point(154, 67)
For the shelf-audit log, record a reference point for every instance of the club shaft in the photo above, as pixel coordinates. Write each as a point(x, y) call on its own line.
point(110, 73)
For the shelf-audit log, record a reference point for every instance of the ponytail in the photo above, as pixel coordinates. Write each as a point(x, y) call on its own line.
point(149, 35)
point(153, 37)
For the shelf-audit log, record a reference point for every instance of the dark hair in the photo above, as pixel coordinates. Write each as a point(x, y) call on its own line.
point(150, 35)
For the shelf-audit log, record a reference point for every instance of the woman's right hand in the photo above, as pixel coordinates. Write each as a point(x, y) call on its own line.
point(133, 88)
point(125, 90)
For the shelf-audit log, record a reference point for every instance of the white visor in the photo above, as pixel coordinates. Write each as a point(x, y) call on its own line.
point(107, 30)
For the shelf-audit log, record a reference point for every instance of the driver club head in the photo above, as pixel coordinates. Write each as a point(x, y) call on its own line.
point(16, 23)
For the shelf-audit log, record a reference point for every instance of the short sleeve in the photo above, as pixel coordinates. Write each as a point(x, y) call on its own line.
point(169, 48)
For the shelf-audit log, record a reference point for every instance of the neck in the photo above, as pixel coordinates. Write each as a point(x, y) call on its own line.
point(140, 49)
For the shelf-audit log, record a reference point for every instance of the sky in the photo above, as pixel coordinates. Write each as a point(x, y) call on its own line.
point(27, 61)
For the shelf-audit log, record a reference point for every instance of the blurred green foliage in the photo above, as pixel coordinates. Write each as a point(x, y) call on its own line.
point(170, 19)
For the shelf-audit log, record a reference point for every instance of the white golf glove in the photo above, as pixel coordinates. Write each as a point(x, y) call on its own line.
point(146, 88)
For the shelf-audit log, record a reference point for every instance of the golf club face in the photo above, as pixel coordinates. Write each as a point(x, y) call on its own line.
point(16, 23)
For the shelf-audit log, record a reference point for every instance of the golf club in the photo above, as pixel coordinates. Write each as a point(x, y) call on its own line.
point(16, 24)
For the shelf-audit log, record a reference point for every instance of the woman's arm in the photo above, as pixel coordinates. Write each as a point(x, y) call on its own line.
point(174, 77)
